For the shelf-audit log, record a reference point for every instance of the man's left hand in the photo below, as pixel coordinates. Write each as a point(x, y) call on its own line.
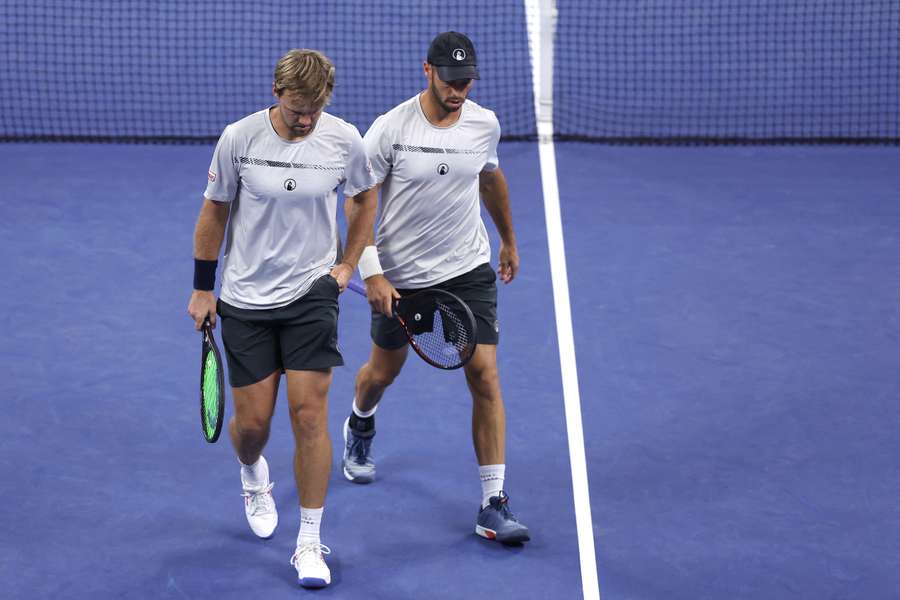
point(342, 272)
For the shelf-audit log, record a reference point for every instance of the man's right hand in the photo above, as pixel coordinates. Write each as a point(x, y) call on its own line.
point(202, 307)
point(381, 294)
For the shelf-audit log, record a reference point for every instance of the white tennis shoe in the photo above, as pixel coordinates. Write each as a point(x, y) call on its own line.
point(309, 560)
point(259, 506)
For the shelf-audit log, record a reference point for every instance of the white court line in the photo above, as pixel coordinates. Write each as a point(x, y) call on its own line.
point(541, 19)
point(569, 369)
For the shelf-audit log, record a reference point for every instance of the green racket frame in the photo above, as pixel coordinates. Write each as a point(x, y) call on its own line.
point(212, 399)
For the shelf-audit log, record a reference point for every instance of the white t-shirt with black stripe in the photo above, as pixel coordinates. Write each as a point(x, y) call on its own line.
point(430, 227)
point(282, 231)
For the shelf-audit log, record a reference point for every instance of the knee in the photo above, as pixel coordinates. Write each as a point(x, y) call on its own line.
point(252, 427)
point(381, 377)
point(484, 379)
point(309, 419)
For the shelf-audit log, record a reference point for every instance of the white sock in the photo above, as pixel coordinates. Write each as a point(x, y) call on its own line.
point(363, 414)
point(491, 482)
point(310, 520)
point(256, 475)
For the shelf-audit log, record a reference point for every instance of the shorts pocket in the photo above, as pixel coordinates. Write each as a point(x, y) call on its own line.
point(336, 287)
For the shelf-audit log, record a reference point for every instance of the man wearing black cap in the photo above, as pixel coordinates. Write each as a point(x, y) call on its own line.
point(434, 155)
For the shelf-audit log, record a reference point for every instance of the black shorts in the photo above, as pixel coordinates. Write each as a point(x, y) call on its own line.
point(301, 336)
point(477, 288)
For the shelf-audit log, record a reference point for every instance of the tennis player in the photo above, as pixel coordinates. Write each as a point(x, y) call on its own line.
point(273, 180)
point(433, 155)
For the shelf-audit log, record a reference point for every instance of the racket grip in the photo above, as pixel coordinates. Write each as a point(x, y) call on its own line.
point(357, 287)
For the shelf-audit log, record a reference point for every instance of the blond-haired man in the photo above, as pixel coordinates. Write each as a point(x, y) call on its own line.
point(272, 196)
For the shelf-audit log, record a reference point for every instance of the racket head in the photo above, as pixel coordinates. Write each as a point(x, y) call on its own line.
point(440, 327)
point(212, 387)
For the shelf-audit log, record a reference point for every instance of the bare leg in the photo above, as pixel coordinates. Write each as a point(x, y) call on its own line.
point(253, 408)
point(308, 400)
point(488, 415)
point(495, 521)
point(377, 374)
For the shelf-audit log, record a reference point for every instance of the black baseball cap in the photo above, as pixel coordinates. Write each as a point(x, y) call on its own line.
point(453, 54)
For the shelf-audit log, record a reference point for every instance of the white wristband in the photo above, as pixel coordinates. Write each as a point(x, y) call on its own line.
point(369, 264)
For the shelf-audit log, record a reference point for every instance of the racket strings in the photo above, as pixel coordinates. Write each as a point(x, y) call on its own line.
point(210, 391)
point(450, 340)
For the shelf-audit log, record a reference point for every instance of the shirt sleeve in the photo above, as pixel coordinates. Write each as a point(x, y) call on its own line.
point(379, 149)
point(493, 161)
point(223, 176)
point(358, 176)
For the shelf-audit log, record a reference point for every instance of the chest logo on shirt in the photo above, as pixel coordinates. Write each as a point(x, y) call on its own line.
point(290, 185)
point(443, 169)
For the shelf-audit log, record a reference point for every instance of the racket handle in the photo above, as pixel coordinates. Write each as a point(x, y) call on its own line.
point(360, 288)
point(357, 287)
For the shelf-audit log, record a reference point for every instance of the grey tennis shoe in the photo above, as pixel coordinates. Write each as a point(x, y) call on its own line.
point(497, 522)
point(359, 467)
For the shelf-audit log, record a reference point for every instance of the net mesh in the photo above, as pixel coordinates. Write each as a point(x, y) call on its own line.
point(625, 70)
point(170, 70)
point(728, 70)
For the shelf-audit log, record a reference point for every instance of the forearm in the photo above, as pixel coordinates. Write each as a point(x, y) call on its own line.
point(210, 230)
point(208, 235)
point(360, 212)
point(495, 195)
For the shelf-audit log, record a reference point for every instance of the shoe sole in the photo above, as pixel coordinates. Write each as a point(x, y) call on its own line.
point(264, 537)
point(357, 479)
point(347, 475)
point(490, 534)
point(313, 582)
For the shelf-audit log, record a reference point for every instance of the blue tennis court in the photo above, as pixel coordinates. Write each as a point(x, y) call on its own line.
point(737, 311)
point(118, 493)
point(730, 242)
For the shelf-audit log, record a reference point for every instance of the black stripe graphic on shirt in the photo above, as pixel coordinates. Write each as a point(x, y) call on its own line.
point(432, 150)
point(261, 162)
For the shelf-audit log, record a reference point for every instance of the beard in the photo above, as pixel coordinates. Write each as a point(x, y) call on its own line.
point(446, 107)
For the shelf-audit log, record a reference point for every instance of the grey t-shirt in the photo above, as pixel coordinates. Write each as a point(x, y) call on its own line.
point(430, 228)
point(282, 231)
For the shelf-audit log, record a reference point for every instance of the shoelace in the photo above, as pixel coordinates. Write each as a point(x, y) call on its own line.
point(260, 500)
point(359, 448)
point(503, 507)
point(303, 550)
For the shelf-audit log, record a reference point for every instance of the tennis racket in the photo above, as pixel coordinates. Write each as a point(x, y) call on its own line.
point(439, 326)
point(212, 386)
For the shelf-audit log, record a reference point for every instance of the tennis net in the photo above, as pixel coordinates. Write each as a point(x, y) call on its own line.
point(657, 71)
point(179, 71)
point(728, 70)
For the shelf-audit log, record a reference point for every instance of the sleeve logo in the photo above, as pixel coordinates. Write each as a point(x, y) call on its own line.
point(211, 176)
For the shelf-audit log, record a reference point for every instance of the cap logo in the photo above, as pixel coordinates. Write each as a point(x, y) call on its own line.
point(459, 54)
